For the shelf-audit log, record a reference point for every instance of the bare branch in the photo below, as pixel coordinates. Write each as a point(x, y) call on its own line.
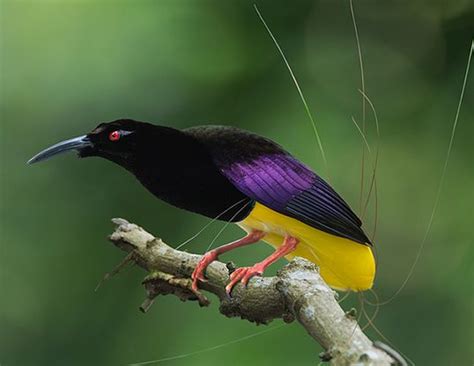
point(297, 292)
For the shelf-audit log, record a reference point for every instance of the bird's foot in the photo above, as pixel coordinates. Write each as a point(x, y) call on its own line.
point(198, 273)
point(244, 274)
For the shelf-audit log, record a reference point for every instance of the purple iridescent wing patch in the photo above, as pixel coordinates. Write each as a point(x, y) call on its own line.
point(266, 173)
point(272, 180)
point(288, 186)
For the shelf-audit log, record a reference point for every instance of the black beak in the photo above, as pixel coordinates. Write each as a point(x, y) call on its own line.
point(76, 143)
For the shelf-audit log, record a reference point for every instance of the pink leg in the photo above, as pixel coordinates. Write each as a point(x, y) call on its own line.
point(244, 274)
point(209, 257)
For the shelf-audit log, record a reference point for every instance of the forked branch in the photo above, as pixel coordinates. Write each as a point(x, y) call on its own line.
point(296, 292)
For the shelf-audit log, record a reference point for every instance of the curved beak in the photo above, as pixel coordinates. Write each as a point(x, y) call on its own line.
point(76, 143)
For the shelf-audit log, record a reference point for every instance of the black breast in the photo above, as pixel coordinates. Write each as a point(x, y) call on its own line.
point(178, 169)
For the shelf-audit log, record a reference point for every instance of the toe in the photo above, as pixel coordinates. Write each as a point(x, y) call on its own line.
point(230, 286)
point(237, 273)
point(194, 286)
point(249, 275)
point(235, 277)
point(198, 273)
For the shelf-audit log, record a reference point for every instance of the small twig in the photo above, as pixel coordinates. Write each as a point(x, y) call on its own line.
point(128, 259)
point(146, 304)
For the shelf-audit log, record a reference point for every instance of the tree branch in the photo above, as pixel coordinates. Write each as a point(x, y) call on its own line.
point(297, 292)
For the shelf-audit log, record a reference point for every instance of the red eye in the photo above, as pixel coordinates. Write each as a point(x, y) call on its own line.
point(114, 136)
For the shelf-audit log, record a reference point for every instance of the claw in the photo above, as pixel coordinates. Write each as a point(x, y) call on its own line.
point(198, 273)
point(243, 275)
point(209, 257)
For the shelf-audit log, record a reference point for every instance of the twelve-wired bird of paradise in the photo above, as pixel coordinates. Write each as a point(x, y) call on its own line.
point(238, 176)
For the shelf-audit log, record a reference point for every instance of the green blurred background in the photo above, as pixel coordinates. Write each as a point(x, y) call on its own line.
point(68, 65)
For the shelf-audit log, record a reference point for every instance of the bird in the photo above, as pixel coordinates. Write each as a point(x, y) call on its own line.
point(233, 175)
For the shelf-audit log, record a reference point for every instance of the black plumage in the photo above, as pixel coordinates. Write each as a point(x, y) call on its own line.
point(219, 171)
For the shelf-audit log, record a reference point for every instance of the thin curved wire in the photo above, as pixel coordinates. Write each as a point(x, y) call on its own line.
point(208, 224)
point(440, 184)
point(362, 82)
point(209, 349)
point(298, 88)
point(226, 225)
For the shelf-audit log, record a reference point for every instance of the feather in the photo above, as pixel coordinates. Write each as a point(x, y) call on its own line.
point(266, 173)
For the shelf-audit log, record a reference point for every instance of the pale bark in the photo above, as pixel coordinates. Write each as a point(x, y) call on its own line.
point(296, 292)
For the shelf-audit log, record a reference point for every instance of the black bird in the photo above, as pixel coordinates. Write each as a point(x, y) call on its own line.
point(241, 177)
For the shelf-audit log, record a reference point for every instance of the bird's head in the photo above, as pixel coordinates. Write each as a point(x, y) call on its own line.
point(117, 141)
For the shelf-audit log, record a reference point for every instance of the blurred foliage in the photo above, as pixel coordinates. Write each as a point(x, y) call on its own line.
point(68, 65)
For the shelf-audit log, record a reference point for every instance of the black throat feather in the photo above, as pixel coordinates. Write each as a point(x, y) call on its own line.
point(178, 169)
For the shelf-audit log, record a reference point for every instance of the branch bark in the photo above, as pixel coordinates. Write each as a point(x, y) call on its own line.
point(296, 292)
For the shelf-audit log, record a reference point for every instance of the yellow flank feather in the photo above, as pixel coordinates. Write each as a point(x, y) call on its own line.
point(344, 264)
